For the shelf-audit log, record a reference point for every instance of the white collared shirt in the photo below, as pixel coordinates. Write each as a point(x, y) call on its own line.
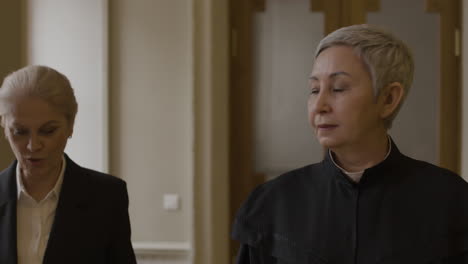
point(34, 220)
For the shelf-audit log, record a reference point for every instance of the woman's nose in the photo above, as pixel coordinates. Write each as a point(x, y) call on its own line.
point(320, 104)
point(34, 143)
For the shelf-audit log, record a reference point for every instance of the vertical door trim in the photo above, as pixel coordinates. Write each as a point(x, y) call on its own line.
point(450, 83)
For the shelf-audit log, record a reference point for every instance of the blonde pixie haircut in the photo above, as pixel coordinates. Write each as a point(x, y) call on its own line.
point(387, 58)
point(41, 82)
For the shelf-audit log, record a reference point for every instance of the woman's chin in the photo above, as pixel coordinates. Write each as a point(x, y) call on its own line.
point(328, 142)
point(34, 170)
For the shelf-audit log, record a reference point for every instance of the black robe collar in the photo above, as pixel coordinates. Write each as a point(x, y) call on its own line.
point(372, 175)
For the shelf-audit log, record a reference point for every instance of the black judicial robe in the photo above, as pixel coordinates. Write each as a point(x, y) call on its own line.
point(403, 211)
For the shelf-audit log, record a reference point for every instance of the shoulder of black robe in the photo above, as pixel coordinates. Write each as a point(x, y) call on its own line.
point(264, 221)
point(422, 208)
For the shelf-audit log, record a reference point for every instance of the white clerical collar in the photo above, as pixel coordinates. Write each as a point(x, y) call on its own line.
point(358, 174)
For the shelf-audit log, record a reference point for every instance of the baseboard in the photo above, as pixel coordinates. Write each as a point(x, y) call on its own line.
point(162, 248)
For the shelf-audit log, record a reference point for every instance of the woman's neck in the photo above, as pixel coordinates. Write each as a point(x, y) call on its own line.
point(38, 186)
point(362, 156)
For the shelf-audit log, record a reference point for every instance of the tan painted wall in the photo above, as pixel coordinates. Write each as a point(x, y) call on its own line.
point(151, 127)
point(59, 37)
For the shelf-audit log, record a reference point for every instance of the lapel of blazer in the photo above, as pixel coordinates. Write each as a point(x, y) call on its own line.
point(72, 203)
point(8, 197)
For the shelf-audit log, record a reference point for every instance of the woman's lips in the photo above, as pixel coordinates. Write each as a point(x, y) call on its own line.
point(34, 161)
point(326, 127)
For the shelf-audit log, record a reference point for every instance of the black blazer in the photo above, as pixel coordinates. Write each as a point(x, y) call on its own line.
point(91, 222)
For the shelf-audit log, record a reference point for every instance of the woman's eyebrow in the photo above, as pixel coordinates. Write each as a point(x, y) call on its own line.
point(16, 124)
point(332, 75)
point(335, 74)
point(51, 122)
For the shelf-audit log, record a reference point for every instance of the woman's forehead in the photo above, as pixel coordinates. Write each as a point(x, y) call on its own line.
point(338, 61)
point(21, 124)
point(32, 111)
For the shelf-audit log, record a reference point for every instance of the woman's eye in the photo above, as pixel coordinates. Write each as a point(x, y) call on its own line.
point(19, 132)
point(48, 131)
point(314, 91)
point(339, 89)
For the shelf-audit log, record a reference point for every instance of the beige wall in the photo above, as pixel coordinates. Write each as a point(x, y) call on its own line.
point(151, 102)
point(10, 57)
point(151, 93)
point(59, 37)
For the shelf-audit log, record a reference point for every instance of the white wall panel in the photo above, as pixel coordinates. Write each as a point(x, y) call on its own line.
point(71, 36)
point(285, 35)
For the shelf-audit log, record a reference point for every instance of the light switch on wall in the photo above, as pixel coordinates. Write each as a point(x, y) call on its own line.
point(171, 201)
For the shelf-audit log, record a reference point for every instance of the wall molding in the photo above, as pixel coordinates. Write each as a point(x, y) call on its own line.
point(162, 248)
point(210, 230)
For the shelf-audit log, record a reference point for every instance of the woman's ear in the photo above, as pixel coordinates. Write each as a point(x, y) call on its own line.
point(390, 98)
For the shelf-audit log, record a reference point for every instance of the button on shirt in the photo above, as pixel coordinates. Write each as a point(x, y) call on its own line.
point(34, 220)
